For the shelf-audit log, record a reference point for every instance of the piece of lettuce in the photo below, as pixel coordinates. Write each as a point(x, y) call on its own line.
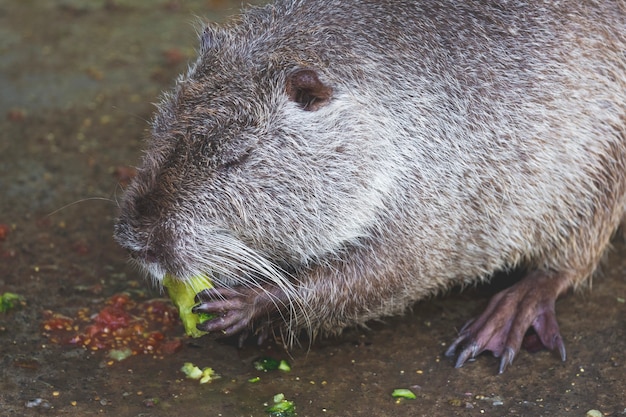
point(9, 300)
point(403, 393)
point(271, 364)
point(203, 375)
point(183, 294)
point(281, 407)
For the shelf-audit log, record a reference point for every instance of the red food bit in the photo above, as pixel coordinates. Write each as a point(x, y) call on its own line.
point(171, 346)
point(4, 231)
point(111, 318)
point(121, 323)
point(119, 300)
point(16, 115)
point(81, 247)
point(57, 322)
point(8, 254)
point(92, 330)
point(158, 307)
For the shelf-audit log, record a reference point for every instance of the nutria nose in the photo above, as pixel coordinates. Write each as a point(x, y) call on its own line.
point(147, 205)
point(128, 237)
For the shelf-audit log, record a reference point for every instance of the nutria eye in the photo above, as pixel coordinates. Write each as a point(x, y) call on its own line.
point(305, 88)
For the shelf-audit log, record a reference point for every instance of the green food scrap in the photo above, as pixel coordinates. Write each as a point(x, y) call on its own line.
point(281, 407)
point(202, 317)
point(183, 294)
point(208, 375)
point(191, 370)
point(270, 364)
point(255, 379)
point(203, 375)
point(120, 354)
point(403, 393)
point(9, 300)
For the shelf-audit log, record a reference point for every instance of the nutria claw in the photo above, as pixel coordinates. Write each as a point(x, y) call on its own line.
point(510, 313)
point(230, 307)
point(237, 310)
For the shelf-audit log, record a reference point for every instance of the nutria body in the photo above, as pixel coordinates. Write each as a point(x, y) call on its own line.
point(333, 161)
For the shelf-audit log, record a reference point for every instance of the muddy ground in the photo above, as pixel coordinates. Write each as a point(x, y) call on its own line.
point(77, 79)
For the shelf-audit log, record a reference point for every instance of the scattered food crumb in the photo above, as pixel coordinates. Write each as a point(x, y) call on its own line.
point(16, 115)
point(403, 393)
point(4, 231)
point(203, 375)
point(123, 325)
point(120, 354)
point(270, 364)
point(38, 403)
point(281, 407)
point(9, 301)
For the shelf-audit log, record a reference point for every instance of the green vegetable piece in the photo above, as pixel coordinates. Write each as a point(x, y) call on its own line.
point(202, 317)
point(255, 379)
point(9, 300)
point(204, 375)
point(281, 407)
point(271, 364)
point(284, 366)
point(183, 294)
point(191, 371)
point(403, 393)
point(208, 375)
point(120, 354)
point(266, 364)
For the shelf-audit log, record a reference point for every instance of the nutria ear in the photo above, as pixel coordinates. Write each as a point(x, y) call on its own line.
point(305, 88)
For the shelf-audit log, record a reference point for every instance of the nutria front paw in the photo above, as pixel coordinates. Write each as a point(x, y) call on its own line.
point(500, 329)
point(238, 311)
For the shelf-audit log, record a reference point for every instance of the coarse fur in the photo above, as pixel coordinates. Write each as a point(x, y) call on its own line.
point(461, 138)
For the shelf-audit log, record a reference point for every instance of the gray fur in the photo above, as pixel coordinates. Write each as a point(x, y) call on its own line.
point(462, 138)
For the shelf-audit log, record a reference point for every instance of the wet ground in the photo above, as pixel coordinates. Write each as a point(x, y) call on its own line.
point(76, 82)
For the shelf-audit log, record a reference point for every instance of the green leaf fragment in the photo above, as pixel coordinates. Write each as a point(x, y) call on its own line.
point(403, 393)
point(203, 375)
point(266, 364)
point(202, 317)
point(281, 407)
point(120, 354)
point(284, 366)
point(183, 294)
point(271, 364)
point(9, 300)
point(208, 375)
point(191, 371)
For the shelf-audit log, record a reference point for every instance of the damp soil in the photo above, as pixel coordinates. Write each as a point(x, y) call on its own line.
point(77, 79)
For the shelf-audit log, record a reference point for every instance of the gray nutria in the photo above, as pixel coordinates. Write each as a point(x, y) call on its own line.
point(330, 162)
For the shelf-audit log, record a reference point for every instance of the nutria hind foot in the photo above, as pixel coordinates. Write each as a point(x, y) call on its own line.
point(500, 329)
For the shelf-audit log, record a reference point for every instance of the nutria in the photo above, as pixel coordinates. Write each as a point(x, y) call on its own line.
point(330, 162)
